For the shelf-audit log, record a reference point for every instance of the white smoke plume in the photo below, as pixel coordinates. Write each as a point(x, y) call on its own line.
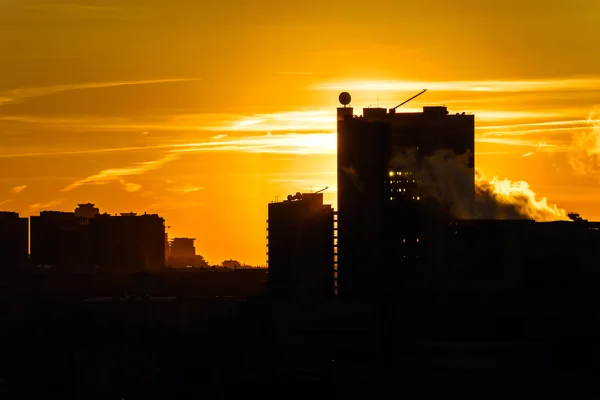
point(584, 154)
point(446, 177)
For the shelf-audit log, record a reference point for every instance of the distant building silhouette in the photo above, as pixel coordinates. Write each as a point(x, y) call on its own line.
point(14, 241)
point(231, 264)
point(86, 210)
point(85, 238)
point(183, 248)
point(551, 257)
point(129, 241)
point(182, 254)
point(300, 248)
point(385, 223)
point(60, 239)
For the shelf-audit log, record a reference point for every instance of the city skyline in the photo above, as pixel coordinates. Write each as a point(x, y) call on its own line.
point(210, 136)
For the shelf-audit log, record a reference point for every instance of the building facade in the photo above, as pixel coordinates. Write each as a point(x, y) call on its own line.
point(85, 239)
point(14, 241)
point(389, 208)
point(60, 239)
point(128, 242)
point(301, 248)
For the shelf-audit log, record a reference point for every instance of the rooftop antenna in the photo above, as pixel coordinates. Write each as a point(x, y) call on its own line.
point(393, 110)
point(322, 190)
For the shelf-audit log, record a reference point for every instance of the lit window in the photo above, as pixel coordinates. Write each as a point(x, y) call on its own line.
point(391, 198)
point(418, 198)
point(391, 173)
point(400, 173)
point(403, 240)
point(417, 240)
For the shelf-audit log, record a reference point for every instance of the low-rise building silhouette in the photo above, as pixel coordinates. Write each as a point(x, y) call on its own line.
point(14, 241)
point(85, 238)
point(231, 264)
point(183, 248)
point(301, 248)
point(182, 254)
point(129, 242)
point(60, 239)
point(524, 255)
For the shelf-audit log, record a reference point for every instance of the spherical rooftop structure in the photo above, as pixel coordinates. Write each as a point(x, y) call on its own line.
point(345, 98)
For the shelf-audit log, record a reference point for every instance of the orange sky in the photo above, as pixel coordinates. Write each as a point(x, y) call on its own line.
point(204, 113)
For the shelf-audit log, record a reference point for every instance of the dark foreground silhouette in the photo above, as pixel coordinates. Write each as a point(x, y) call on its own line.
point(162, 337)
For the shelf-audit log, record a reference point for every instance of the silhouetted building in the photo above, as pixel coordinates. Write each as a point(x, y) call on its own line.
point(129, 242)
point(386, 216)
point(14, 241)
point(182, 254)
point(300, 247)
point(183, 248)
point(60, 239)
point(231, 264)
point(85, 238)
point(535, 257)
point(86, 210)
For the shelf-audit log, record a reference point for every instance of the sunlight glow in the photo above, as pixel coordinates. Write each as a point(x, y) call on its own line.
point(463, 86)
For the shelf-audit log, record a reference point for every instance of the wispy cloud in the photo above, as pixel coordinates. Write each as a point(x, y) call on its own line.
point(566, 84)
point(187, 189)
point(173, 205)
point(118, 174)
point(37, 207)
point(3, 202)
point(299, 73)
point(316, 143)
point(69, 11)
point(291, 121)
point(130, 187)
point(18, 189)
point(517, 142)
point(24, 93)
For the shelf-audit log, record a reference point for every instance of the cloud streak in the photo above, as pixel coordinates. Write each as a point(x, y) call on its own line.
point(37, 207)
point(118, 174)
point(21, 94)
point(541, 85)
point(187, 189)
point(18, 189)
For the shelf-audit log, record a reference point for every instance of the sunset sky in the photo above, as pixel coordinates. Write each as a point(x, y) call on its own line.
point(205, 111)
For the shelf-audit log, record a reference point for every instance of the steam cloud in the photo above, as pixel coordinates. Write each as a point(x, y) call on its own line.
point(446, 177)
point(584, 155)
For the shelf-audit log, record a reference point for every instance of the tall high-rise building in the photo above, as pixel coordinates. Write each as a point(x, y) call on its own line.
point(301, 248)
point(14, 241)
point(388, 211)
